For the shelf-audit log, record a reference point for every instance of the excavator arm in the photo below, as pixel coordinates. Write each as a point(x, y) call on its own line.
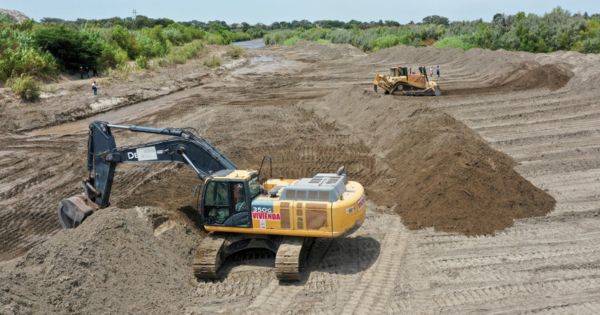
point(103, 157)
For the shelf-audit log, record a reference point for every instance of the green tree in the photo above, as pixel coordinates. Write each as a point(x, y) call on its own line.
point(436, 19)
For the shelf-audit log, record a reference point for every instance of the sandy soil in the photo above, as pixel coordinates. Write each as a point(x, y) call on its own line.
point(311, 107)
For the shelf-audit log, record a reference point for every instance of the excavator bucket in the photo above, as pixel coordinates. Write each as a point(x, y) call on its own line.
point(73, 210)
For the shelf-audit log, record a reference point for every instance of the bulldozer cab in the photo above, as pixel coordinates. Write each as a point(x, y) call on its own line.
point(227, 201)
point(399, 71)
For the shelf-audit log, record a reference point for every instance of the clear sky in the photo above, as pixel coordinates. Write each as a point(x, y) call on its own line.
point(268, 11)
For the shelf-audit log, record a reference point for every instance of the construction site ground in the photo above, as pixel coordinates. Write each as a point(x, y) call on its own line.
point(483, 200)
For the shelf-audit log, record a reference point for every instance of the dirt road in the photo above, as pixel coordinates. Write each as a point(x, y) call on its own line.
point(311, 108)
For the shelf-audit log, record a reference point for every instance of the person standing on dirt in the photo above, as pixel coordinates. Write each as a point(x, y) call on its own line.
point(437, 71)
point(81, 72)
point(95, 88)
point(431, 71)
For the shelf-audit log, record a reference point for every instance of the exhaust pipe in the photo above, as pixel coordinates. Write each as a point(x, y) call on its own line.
point(73, 210)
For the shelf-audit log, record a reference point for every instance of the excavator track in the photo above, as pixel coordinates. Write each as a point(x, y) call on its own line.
point(290, 258)
point(208, 257)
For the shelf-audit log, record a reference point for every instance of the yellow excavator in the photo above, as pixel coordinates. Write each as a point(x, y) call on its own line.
point(401, 81)
point(239, 209)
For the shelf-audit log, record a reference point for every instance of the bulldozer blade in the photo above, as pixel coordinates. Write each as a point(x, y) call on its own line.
point(73, 210)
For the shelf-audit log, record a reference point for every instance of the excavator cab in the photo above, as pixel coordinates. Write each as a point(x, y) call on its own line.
point(226, 201)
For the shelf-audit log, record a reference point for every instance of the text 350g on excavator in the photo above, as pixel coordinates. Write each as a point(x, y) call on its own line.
point(283, 216)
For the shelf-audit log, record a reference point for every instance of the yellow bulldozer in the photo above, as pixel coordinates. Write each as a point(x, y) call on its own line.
point(401, 81)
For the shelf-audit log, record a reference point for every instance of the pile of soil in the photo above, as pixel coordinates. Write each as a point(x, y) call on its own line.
point(119, 260)
point(447, 177)
point(532, 75)
point(436, 171)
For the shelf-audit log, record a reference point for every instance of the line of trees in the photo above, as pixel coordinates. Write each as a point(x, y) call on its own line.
point(556, 30)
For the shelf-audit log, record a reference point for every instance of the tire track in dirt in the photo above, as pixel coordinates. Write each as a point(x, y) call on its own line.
point(375, 287)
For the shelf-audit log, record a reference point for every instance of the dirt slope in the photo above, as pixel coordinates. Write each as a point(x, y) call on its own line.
point(438, 173)
point(124, 260)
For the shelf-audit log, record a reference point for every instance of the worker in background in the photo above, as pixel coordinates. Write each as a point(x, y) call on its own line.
point(437, 71)
point(431, 71)
point(95, 87)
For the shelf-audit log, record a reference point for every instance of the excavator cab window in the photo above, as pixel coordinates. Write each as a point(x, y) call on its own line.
point(226, 204)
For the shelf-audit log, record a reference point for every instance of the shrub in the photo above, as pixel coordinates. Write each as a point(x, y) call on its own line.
point(292, 41)
point(124, 39)
point(386, 41)
point(72, 48)
point(454, 42)
point(142, 62)
point(26, 87)
point(235, 52)
point(215, 39)
point(152, 43)
point(27, 60)
point(213, 62)
point(111, 57)
point(180, 54)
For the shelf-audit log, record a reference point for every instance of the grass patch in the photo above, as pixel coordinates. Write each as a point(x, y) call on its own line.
point(142, 62)
point(25, 87)
point(213, 62)
point(453, 42)
point(180, 54)
point(292, 41)
point(234, 52)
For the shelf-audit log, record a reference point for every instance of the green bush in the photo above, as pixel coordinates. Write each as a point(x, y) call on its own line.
point(213, 62)
point(386, 41)
point(454, 42)
point(152, 42)
point(125, 40)
point(26, 87)
point(235, 52)
point(72, 48)
point(142, 62)
point(215, 39)
point(111, 57)
point(292, 41)
point(27, 60)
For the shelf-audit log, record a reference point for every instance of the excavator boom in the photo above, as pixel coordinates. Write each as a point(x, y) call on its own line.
point(103, 157)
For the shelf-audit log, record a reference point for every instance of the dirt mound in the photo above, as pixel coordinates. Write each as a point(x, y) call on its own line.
point(119, 260)
point(449, 178)
point(533, 75)
point(436, 172)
